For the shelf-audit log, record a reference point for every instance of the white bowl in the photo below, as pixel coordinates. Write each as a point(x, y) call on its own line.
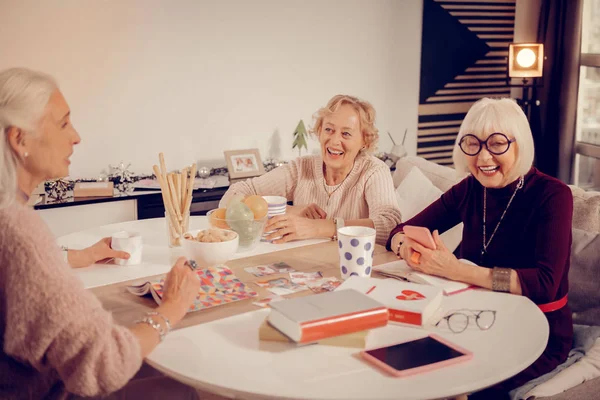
point(208, 254)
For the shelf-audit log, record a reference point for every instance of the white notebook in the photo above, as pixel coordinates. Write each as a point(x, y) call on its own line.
point(399, 269)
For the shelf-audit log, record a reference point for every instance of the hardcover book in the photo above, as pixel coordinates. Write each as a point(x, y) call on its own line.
point(358, 340)
point(408, 303)
point(324, 315)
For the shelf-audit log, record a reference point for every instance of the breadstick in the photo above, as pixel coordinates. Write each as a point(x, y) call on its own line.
point(190, 192)
point(171, 216)
point(184, 182)
point(163, 167)
point(177, 183)
point(174, 199)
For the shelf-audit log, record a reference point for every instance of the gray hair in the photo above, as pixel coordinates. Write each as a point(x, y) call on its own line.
point(24, 95)
point(504, 115)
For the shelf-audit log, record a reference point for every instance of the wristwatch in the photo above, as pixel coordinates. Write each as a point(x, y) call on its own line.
point(339, 223)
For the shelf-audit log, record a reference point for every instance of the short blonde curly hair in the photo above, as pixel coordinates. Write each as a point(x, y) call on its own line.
point(366, 114)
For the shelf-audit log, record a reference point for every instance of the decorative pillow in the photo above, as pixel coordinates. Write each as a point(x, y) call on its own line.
point(414, 194)
point(586, 209)
point(586, 369)
point(584, 275)
point(442, 177)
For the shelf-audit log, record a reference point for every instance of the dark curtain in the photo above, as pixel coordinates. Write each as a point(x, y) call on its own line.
point(553, 119)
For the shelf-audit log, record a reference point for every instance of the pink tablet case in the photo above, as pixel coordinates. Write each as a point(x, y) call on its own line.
point(467, 355)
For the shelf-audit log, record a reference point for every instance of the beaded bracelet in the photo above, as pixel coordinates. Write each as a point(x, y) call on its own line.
point(153, 324)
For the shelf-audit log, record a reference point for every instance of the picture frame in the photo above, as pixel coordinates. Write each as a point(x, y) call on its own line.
point(244, 163)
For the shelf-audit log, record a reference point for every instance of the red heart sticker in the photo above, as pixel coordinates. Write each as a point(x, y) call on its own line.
point(410, 295)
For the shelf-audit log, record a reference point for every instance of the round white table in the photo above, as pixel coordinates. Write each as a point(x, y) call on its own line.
point(226, 357)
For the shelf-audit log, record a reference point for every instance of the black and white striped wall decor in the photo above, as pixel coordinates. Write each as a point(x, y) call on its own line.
point(463, 58)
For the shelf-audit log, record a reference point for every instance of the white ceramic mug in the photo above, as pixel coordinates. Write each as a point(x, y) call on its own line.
point(356, 245)
point(277, 206)
point(131, 242)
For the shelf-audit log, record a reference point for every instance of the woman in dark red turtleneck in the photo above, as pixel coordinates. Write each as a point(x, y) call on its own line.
point(527, 231)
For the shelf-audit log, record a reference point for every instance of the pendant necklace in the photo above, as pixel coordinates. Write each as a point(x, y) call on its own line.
point(485, 245)
point(335, 187)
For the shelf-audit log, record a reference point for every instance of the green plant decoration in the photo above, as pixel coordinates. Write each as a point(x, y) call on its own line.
point(300, 138)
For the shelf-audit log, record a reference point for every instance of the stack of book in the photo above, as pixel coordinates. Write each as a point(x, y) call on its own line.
point(339, 318)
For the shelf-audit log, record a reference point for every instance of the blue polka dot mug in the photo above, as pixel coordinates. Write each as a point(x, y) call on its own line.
point(356, 245)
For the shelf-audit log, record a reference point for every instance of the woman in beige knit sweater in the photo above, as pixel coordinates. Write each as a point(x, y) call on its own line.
point(344, 185)
point(56, 337)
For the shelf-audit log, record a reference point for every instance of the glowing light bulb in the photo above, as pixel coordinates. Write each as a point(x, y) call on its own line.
point(526, 58)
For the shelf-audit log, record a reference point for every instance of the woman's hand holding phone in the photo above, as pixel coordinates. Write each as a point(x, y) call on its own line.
point(422, 236)
point(433, 257)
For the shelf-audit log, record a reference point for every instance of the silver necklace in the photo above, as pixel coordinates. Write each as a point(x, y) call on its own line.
point(485, 245)
point(328, 188)
point(335, 186)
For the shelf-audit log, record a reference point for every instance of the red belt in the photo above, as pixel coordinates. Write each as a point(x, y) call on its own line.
point(553, 306)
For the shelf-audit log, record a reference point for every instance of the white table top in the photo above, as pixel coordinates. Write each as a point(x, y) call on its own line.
point(157, 257)
point(226, 357)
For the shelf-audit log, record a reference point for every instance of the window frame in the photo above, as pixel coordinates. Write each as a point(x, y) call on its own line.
point(586, 149)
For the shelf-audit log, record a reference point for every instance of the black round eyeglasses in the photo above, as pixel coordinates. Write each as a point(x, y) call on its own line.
point(496, 144)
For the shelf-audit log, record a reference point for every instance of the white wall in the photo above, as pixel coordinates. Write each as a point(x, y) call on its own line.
point(193, 78)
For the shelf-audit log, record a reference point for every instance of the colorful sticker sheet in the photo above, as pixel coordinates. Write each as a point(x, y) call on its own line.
point(218, 286)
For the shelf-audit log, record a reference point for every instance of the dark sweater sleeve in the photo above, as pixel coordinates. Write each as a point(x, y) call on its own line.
point(442, 214)
point(552, 246)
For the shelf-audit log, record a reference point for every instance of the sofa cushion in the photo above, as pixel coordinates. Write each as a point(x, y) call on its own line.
point(584, 275)
point(586, 209)
point(585, 369)
point(442, 177)
point(414, 193)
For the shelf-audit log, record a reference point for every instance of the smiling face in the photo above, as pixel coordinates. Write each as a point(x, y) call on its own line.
point(341, 138)
point(493, 171)
point(49, 150)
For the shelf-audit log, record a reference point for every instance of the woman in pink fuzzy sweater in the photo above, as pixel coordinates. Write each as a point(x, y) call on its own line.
point(56, 337)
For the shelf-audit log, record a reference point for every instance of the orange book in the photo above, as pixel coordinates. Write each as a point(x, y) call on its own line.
point(268, 333)
point(408, 303)
point(320, 316)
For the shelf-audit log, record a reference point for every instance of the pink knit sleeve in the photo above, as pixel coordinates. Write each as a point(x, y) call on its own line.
point(51, 321)
point(278, 182)
point(381, 199)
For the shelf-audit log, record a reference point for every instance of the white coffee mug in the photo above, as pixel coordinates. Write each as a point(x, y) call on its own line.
point(131, 242)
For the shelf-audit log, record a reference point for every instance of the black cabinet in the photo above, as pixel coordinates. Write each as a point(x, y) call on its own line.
point(203, 200)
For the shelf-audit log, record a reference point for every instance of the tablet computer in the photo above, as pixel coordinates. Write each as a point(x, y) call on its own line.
point(416, 356)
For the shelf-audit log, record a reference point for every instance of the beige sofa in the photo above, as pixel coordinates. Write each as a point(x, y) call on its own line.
point(584, 276)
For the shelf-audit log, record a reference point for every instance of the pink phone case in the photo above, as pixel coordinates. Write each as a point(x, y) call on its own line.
point(420, 235)
point(467, 355)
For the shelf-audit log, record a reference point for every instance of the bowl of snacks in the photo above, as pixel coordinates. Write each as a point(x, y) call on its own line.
point(246, 216)
point(210, 246)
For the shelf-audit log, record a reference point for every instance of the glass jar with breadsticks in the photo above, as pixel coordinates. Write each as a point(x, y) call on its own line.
point(177, 188)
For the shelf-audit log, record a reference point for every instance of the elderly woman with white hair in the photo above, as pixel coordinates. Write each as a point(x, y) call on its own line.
point(56, 337)
point(517, 225)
